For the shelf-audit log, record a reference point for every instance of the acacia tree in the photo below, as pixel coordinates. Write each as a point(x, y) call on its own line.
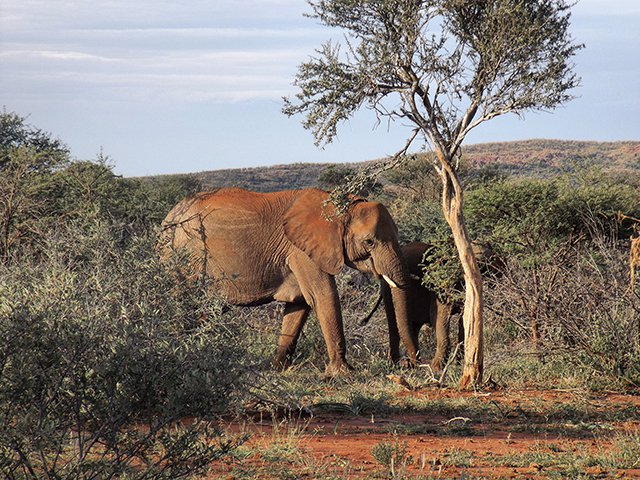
point(445, 66)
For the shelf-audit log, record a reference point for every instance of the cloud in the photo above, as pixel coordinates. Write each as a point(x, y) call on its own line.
point(121, 50)
point(204, 32)
point(188, 76)
point(607, 8)
point(26, 56)
point(124, 13)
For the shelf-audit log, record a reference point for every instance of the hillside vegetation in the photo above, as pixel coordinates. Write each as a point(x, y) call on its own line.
point(550, 157)
point(530, 157)
point(258, 179)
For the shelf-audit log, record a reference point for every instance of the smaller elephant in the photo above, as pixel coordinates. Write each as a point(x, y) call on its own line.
point(425, 308)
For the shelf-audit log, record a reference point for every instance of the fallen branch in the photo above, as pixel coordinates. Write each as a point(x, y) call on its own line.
point(455, 419)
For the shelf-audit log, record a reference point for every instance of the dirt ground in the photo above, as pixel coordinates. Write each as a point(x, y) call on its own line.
point(449, 434)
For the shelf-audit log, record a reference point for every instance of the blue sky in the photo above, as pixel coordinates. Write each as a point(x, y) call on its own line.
point(169, 86)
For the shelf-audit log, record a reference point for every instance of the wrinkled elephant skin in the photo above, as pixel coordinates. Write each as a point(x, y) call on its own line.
point(286, 246)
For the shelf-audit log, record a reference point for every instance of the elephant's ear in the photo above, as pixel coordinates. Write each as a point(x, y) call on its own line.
point(313, 228)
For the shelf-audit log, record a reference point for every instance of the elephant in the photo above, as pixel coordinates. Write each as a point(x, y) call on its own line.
point(425, 308)
point(287, 246)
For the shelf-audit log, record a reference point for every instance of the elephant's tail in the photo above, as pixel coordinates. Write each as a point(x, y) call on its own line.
point(366, 319)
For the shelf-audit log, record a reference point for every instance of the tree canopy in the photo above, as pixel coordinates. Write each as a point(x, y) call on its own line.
point(453, 63)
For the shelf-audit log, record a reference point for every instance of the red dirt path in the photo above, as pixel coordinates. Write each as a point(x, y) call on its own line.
point(499, 427)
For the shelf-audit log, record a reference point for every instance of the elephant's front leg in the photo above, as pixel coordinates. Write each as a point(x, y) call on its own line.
point(293, 320)
point(320, 292)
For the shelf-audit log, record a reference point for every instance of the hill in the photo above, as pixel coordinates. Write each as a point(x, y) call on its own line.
point(549, 157)
point(265, 179)
point(530, 157)
point(259, 179)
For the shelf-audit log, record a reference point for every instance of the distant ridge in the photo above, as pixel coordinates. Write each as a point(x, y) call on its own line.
point(554, 156)
point(538, 157)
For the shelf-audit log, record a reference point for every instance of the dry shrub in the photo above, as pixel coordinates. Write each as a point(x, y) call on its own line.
point(581, 309)
point(101, 354)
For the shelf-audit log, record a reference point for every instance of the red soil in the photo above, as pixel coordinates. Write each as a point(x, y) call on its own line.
point(499, 426)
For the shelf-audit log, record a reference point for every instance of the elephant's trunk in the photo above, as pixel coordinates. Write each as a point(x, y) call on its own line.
point(390, 265)
point(401, 306)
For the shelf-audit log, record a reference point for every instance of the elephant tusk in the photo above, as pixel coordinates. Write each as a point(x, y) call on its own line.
point(391, 283)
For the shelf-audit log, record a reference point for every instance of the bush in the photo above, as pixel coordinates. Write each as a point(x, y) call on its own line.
point(533, 217)
point(563, 291)
point(581, 310)
point(42, 189)
point(28, 159)
point(393, 456)
point(97, 340)
point(89, 191)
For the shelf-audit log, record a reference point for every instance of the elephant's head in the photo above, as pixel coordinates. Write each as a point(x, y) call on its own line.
point(365, 237)
point(371, 243)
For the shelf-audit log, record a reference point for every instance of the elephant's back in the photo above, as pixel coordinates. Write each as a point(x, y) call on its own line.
point(230, 217)
point(226, 234)
point(226, 204)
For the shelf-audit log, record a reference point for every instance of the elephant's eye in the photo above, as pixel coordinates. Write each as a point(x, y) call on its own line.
point(369, 243)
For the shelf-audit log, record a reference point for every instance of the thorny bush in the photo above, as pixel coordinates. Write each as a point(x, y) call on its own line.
point(101, 353)
point(582, 309)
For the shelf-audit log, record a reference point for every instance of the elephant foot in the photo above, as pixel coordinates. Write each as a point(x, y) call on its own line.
point(338, 368)
point(281, 363)
point(408, 363)
point(395, 358)
point(280, 366)
point(437, 365)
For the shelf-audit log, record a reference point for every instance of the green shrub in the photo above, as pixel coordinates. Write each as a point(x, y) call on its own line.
point(42, 187)
point(533, 218)
point(564, 276)
point(29, 158)
point(87, 191)
point(422, 221)
point(96, 340)
point(393, 456)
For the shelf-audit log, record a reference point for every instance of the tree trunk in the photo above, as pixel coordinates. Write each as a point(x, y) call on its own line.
point(452, 201)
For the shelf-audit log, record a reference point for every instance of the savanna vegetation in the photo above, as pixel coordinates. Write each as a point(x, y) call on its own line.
point(110, 367)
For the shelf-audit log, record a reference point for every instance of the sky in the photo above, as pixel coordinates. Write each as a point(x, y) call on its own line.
point(174, 86)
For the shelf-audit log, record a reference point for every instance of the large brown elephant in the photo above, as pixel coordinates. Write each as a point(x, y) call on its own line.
point(425, 308)
point(287, 246)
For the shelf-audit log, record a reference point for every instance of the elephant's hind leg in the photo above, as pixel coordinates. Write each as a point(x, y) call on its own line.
point(293, 320)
